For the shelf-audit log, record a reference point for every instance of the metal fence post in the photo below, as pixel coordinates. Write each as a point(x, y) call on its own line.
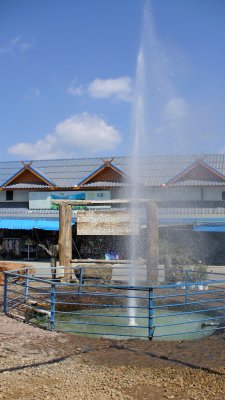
point(52, 312)
point(186, 287)
point(5, 293)
point(80, 280)
point(26, 289)
point(151, 305)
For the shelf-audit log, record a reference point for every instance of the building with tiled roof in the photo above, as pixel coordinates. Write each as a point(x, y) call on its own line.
point(189, 178)
point(189, 189)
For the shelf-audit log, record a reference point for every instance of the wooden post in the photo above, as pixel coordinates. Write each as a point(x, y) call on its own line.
point(65, 240)
point(152, 243)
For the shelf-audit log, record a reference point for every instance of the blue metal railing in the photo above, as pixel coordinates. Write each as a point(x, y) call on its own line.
point(52, 315)
point(180, 310)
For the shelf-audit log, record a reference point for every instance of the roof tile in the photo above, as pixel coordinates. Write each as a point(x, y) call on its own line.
point(153, 171)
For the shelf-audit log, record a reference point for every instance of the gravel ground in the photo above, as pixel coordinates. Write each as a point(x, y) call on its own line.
point(36, 364)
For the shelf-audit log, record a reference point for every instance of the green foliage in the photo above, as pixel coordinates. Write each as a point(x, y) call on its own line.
point(178, 266)
point(198, 273)
point(173, 254)
point(174, 274)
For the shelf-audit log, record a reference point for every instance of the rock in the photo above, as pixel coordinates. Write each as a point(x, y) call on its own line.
point(12, 266)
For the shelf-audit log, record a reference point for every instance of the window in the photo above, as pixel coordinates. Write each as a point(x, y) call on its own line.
point(100, 194)
point(223, 195)
point(9, 195)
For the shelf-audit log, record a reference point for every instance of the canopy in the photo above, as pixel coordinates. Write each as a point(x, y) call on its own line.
point(28, 224)
point(209, 228)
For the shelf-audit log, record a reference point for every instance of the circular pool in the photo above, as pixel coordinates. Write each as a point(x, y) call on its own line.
point(116, 323)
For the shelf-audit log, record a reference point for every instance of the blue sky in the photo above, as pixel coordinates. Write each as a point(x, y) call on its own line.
point(67, 77)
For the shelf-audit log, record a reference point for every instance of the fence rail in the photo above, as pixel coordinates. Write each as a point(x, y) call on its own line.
point(97, 307)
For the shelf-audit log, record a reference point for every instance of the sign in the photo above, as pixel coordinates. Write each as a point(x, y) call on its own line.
point(107, 223)
point(66, 196)
point(43, 200)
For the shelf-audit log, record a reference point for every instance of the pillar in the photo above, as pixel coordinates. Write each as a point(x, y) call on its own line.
point(65, 240)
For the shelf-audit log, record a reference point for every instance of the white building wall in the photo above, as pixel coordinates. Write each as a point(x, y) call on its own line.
point(163, 194)
point(43, 199)
point(39, 200)
point(213, 193)
point(2, 196)
point(175, 194)
point(18, 195)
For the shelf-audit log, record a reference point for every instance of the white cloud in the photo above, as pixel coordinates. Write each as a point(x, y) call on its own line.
point(118, 88)
point(34, 93)
point(43, 148)
point(74, 89)
point(176, 109)
point(86, 133)
point(15, 45)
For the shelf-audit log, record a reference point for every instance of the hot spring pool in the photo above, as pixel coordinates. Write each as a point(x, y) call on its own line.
point(114, 323)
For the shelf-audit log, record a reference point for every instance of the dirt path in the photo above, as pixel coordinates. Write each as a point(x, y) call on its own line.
point(36, 364)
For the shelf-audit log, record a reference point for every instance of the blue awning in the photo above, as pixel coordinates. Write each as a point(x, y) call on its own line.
point(209, 228)
point(28, 224)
